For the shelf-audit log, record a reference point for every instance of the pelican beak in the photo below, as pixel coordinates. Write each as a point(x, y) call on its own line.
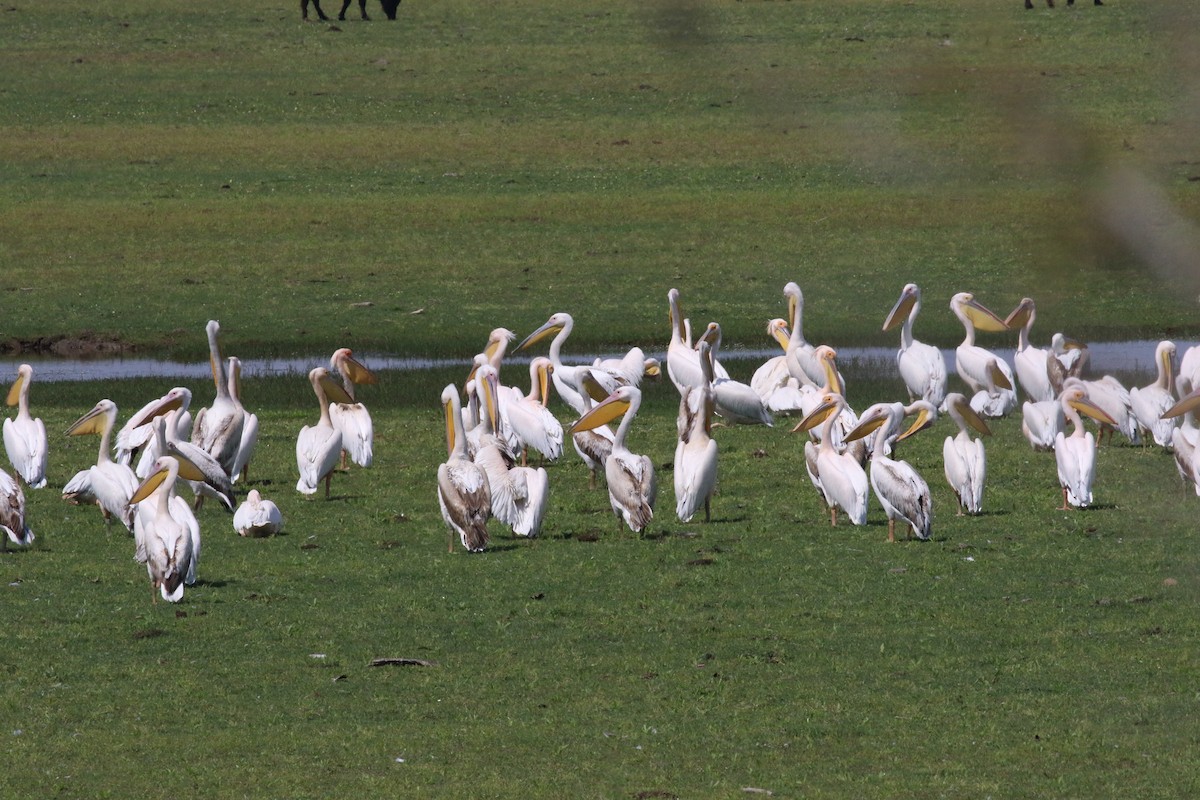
point(612, 407)
point(1168, 367)
point(793, 305)
point(1020, 315)
point(872, 423)
point(998, 377)
point(831, 373)
point(167, 405)
point(900, 311)
point(187, 468)
point(448, 407)
point(593, 387)
point(14, 394)
point(925, 419)
point(334, 392)
point(1189, 402)
point(710, 335)
point(982, 318)
point(971, 418)
point(549, 329)
point(544, 371)
point(152, 482)
point(1085, 406)
point(1073, 344)
point(818, 415)
point(358, 373)
point(91, 422)
point(778, 330)
point(488, 390)
point(652, 368)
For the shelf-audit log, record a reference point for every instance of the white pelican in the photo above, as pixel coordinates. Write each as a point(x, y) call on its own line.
point(1149, 403)
point(218, 428)
point(627, 370)
point(520, 495)
point(683, 362)
point(1076, 454)
point(565, 377)
point(1189, 369)
point(899, 488)
point(1185, 439)
point(352, 419)
point(137, 434)
point(845, 419)
point(1041, 423)
point(109, 483)
point(773, 382)
point(257, 516)
point(528, 416)
point(12, 513)
point(1032, 363)
point(1113, 398)
point(25, 437)
point(463, 493)
point(735, 402)
point(843, 481)
point(249, 437)
point(971, 361)
point(1067, 359)
point(593, 446)
point(696, 452)
point(964, 459)
point(196, 466)
point(631, 484)
point(922, 366)
point(172, 542)
point(318, 447)
point(994, 400)
point(801, 356)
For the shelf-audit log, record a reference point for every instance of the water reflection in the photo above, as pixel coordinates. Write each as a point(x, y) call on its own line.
point(1121, 358)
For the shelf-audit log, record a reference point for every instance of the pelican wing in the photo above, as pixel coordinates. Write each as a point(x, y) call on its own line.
point(28, 449)
point(903, 493)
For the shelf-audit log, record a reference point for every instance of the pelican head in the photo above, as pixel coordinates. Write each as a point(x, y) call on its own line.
point(831, 403)
point(613, 406)
point(958, 407)
point(1076, 397)
point(926, 414)
point(777, 329)
point(910, 296)
point(872, 420)
point(1023, 315)
point(344, 362)
point(974, 315)
point(24, 376)
point(100, 419)
point(826, 357)
point(558, 322)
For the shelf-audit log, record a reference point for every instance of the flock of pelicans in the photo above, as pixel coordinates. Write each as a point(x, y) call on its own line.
point(487, 473)
point(846, 455)
point(134, 478)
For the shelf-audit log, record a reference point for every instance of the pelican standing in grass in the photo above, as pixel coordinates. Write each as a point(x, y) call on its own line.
point(801, 356)
point(202, 472)
point(1032, 363)
point(843, 481)
point(735, 402)
point(12, 513)
point(994, 400)
point(683, 362)
point(1041, 423)
point(519, 494)
point(972, 362)
point(110, 484)
point(257, 516)
point(1185, 439)
point(964, 459)
point(1111, 396)
point(249, 439)
point(922, 366)
point(1076, 454)
point(773, 382)
point(318, 446)
point(137, 435)
point(218, 428)
point(352, 419)
point(1150, 403)
point(631, 483)
point(593, 446)
point(900, 489)
point(695, 470)
point(172, 544)
point(25, 437)
point(463, 492)
point(565, 377)
point(528, 416)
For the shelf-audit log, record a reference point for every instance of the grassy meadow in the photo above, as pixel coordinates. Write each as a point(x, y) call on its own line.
point(405, 187)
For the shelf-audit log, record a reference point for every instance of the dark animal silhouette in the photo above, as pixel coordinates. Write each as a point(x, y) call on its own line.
point(389, 8)
point(1028, 3)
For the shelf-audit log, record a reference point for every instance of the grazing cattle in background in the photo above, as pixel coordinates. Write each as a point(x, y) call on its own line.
point(389, 8)
point(1028, 3)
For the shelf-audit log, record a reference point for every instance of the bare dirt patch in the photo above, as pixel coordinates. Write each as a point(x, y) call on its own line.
point(82, 345)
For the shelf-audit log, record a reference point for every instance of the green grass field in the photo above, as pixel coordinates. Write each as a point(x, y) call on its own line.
point(404, 188)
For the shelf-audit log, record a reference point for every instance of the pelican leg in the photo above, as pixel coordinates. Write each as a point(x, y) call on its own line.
point(591, 480)
point(344, 467)
point(833, 516)
point(328, 478)
point(451, 542)
point(891, 530)
point(1064, 506)
point(707, 514)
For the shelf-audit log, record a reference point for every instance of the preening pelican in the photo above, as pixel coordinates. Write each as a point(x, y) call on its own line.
point(900, 489)
point(528, 416)
point(1109, 395)
point(994, 400)
point(318, 447)
point(25, 437)
point(172, 543)
point(257, 516)
point(922, 366)
point(773, 382)
point(218, 428)
point(696, 452)
point(1150, 403)
point(463, 492)
point(843, 481)
point(1041, 423)
point(593, 446)
point(1067, 359)
point(972, 361)
point(519, 494)
point(683, 362)
point(735, 402)
point(249, 421)
point(196, 465)
point(1076, 454)
point(110, 484)
point(964, 459)
point(631, 483)
point(352, 419)
point(628, 370)
point(1032, 363)
point(12, 513)
point(565, 377)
